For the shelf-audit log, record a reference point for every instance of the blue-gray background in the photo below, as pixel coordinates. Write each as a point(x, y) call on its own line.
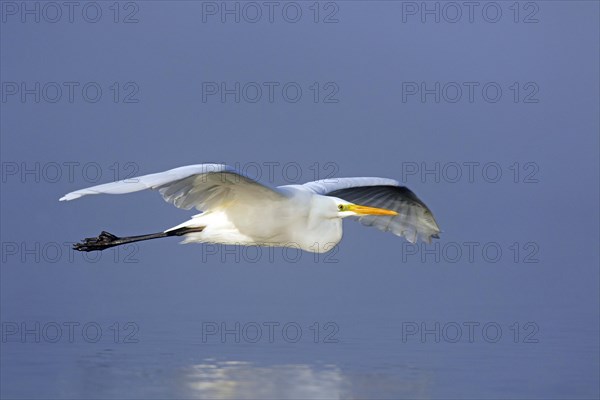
point(378, 288)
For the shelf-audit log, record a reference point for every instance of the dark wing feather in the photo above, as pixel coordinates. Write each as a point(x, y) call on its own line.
point(414, 219)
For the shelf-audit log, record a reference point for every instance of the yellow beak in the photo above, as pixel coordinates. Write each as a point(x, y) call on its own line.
point(370, 210)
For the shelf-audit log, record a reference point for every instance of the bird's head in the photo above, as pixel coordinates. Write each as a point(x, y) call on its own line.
point(345, 209)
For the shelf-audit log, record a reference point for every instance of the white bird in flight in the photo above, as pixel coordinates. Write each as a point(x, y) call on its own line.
point(238, 210)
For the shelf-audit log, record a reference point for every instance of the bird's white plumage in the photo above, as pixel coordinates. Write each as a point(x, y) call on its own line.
point(239, 210)
point(151, 181)
point(325, 186)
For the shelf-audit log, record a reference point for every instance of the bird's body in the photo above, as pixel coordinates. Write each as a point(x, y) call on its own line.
point(238, 210)
point(297, 219)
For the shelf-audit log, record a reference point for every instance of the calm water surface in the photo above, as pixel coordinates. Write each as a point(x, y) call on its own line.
point(385, 332)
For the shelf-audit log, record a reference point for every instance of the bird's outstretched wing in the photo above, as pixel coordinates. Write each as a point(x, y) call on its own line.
point(203, 186)
point(414, 219)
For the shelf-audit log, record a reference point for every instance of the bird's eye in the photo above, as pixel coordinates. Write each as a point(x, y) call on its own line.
point(341, 207)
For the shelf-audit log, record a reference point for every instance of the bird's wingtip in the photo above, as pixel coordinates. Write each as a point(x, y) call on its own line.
point(69, 196)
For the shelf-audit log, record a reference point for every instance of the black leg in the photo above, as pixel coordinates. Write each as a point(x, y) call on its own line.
point(106, 240)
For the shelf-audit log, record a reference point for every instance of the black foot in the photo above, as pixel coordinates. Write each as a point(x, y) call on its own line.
point(101, 242)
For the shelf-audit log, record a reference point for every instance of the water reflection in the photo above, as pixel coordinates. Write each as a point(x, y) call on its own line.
point(244, 380)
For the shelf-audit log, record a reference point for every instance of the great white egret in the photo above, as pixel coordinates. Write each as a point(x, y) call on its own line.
point(239, 210)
